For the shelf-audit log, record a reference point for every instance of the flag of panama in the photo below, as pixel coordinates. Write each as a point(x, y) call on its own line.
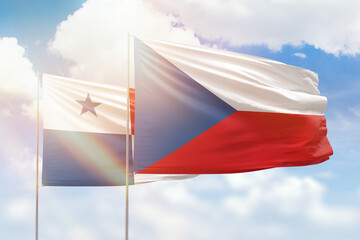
point(204, 111)
point(84, 132)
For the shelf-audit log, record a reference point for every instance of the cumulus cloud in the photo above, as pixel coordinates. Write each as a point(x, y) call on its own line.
point(261, 205)
point(82, 233)
point(270, 202)
point(286, 196)
point(19, 210)
point(18, 81)
point(16, 76)
point(30, 109)
point(19, 165)
point(344, 130)
point(5, 112)
point(332, 26)
point(94, 38)
point(300, 55)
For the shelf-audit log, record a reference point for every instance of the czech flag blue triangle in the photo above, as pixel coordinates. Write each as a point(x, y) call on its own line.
point(171, 107)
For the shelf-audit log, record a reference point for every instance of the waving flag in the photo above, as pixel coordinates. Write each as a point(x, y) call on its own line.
point(84, 133)
point(203, 111)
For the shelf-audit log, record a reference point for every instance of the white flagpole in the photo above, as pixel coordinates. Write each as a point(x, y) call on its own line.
point(127, 147)
point(37, 162)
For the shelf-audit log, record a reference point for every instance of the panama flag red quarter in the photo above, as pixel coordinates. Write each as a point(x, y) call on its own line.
point(204, 111)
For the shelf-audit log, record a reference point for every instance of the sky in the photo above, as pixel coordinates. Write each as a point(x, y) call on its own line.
point(87, 40)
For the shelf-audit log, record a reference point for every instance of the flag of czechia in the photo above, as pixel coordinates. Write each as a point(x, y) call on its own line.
point(204, 111)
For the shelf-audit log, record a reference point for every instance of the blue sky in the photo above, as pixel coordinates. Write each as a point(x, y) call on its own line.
point(87, 41)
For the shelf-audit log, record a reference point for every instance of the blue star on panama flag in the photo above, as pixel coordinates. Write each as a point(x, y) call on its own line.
point(88, 105)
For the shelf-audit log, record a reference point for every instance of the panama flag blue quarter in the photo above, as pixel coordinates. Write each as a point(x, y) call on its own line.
point(84, 133)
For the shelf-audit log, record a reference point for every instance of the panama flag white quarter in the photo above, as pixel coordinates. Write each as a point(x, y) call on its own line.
point(84, 133)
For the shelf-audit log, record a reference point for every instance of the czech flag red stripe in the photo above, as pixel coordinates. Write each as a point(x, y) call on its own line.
point(248, 141)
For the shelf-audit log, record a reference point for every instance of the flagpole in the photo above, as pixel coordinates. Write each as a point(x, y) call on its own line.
point(127, 146)
point(37, 162)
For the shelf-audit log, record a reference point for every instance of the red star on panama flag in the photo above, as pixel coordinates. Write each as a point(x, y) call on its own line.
point(88, 105)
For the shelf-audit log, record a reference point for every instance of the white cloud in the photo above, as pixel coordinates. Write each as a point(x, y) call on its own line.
point(30, 109)
point(82, 233)
point(22, 167)
point(355, 111)
point(343, 133)
point(6, 112)
point(300, 55)
point(18, 84)
point(25, 161)
point(94, 38)
point(333, 26)
point(17, 77)
point(286, 195)
point(18, 81)
point(179, 194)
point(272, 202)
point(19, 210)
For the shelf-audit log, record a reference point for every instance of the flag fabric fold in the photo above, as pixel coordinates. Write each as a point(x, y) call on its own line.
point(205, 111)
